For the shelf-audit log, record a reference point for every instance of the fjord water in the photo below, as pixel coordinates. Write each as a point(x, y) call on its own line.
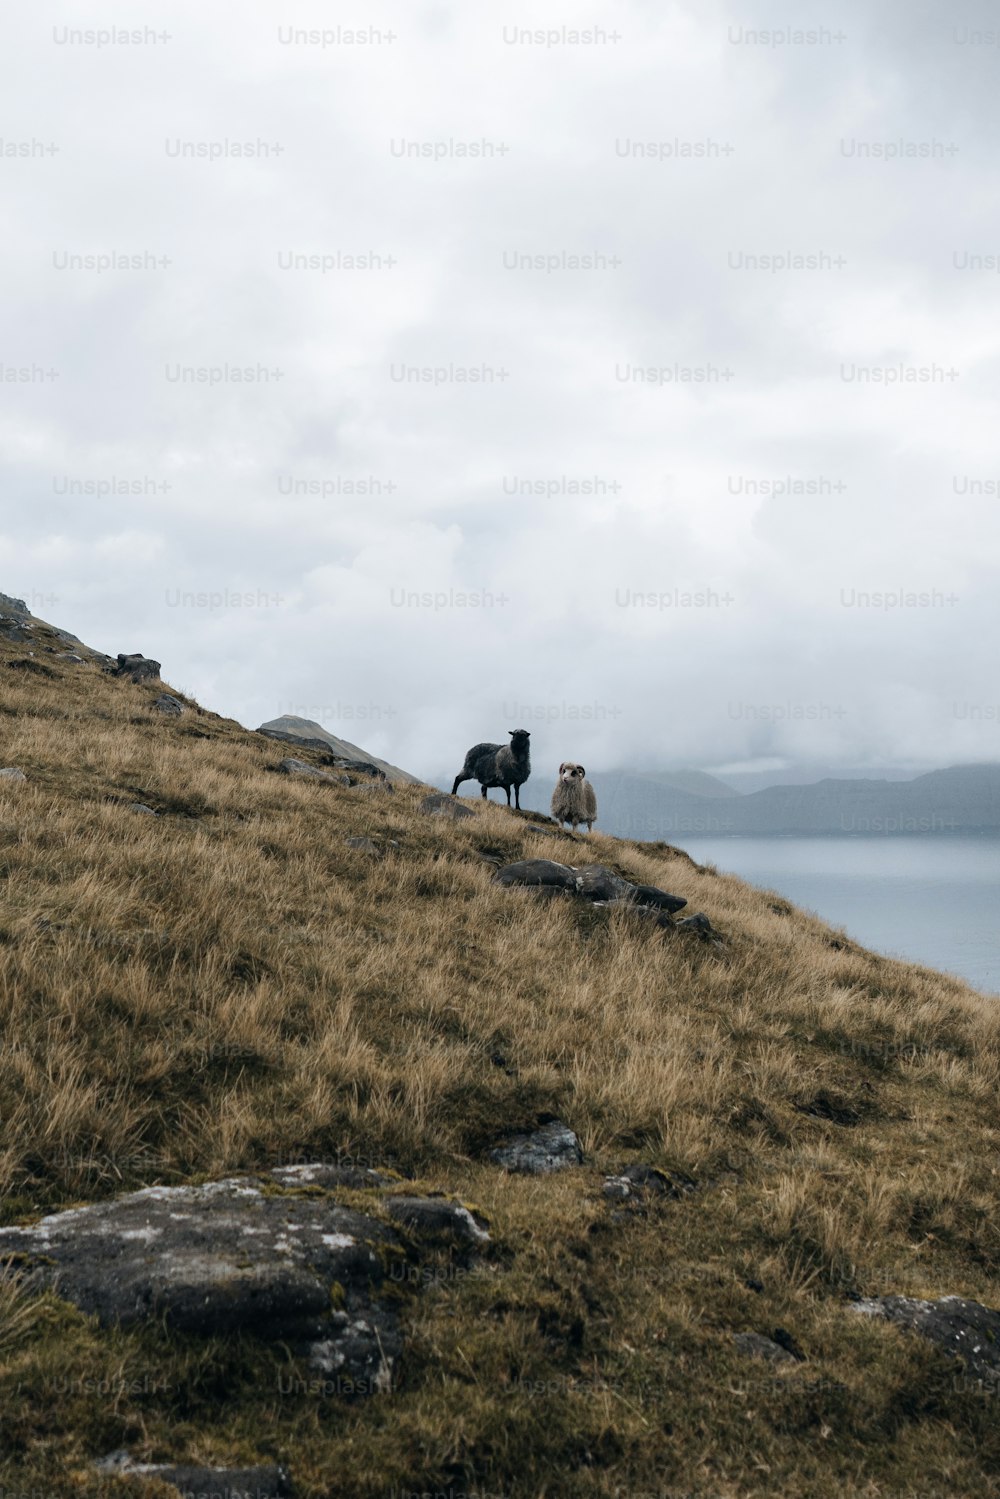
point(933, 900)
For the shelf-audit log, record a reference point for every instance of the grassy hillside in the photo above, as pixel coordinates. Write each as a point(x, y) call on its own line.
point(229, 985)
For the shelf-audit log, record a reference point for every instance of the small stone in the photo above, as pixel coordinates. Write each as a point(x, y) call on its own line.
point(697, 923)
point(640, 1180)
point(553, 1147)
point(755, 1345)
point(199, 1482)
point(11, 773)
point(437, 1216)
point(169, 705)
point(141, 808)
point(439, 805)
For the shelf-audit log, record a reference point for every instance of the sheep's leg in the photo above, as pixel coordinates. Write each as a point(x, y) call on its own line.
point(517, 798)
point(458, 781)
point(485, 797)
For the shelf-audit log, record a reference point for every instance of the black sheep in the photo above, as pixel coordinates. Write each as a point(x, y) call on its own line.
point(500, 765)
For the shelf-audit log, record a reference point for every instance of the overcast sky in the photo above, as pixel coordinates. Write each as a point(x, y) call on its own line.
point(564, 214)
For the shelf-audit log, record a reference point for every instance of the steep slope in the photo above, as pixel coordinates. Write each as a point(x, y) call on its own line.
point(232, 985)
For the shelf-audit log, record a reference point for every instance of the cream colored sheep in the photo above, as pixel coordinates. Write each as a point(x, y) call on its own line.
point(573, 800)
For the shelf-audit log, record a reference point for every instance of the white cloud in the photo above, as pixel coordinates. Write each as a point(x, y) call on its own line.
point(691, 482)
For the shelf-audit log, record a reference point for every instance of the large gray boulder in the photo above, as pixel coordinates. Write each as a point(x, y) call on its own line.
point(135, 666)
point(960, 1328)
point(278, 1257)
point(594, 882)
point(224, 1257)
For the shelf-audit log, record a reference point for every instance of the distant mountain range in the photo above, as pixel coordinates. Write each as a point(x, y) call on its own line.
point(646, 805)
point(667, 805)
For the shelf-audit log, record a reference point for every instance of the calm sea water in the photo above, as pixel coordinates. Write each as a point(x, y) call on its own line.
point(933, 900)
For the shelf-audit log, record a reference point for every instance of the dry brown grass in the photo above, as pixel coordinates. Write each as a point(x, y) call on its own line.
point(229, 985)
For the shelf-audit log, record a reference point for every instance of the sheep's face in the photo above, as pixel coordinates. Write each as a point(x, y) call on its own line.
point(519, 740)
point(569, 772)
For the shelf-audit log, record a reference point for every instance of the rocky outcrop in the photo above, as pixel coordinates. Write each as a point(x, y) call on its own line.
point(14, 627)
point(277, 1256)
point(594, 882)
point(171, 706)
point(210, 1259)
point(343, 776)
point(136, 667)
point(553, 1147)
point(960, 1328)
point(293, 767)
point(333, 750)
